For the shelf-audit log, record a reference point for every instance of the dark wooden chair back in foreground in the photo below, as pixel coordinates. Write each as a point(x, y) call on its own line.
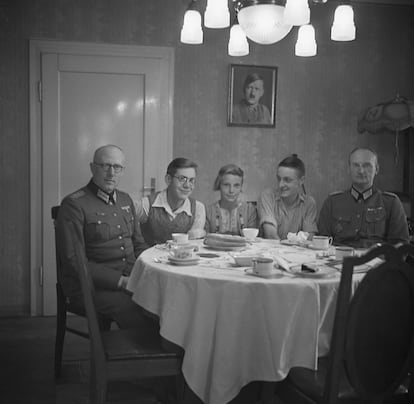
point(119, 355)
point(372, 345)
point(64, 306)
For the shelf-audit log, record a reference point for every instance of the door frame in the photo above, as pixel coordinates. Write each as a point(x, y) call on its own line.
point(37, 47)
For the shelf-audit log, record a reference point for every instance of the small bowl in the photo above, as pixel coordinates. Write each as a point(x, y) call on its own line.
point(244, 260)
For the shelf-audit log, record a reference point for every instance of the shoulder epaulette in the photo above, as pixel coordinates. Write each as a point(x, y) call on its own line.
point(336, 193)
point(77, 194)
point(389, 194)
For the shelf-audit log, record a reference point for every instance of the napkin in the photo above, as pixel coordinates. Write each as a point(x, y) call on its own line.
point(299, 237)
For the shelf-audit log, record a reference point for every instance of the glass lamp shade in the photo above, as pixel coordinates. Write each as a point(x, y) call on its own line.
point(343, 27)
point(263, 23)
point(217, 14)
point(238, 44)
point(297, 12)
point(192, 33)
point(306, 43)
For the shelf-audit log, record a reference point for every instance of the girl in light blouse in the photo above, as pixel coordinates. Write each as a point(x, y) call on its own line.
point(231, 213)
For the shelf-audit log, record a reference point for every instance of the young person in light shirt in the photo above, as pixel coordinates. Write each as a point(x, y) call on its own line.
point(286, 208)
point(172, 210)
point(231, 213)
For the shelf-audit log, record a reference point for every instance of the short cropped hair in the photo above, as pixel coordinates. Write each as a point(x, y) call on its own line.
point(252, 77)
point(293, 161)
point(180, 162)
point(366, 149)
point(227, 169)
point(102, 148)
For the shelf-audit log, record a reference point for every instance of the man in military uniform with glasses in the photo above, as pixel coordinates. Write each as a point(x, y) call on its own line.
point(363, 215)
point(172, 210)
point(104, 218)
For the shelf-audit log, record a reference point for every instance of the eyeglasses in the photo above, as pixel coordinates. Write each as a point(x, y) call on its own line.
point(106, 167)
point(182, 179)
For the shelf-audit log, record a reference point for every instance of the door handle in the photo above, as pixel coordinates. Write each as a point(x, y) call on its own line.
point(151, 188)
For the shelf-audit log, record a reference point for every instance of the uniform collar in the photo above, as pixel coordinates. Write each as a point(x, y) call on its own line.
point(101, 194)
point(361, 195)
point(161, 201)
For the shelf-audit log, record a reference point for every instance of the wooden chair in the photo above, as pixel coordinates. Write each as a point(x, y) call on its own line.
point(372, 345)
point(119, 355)
point(64, 306)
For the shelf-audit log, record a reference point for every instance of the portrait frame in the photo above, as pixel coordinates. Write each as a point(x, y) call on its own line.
point(242, 112)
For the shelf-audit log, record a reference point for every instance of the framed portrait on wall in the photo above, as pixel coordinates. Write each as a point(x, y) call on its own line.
point(252, 96)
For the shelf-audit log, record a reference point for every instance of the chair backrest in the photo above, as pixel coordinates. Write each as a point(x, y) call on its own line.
point(54, 213)
point(97, 346)
point(373, 333)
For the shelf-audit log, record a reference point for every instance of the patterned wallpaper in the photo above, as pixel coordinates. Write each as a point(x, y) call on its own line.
point(318, 101)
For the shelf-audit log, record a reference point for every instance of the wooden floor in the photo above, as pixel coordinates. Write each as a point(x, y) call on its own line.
point(27, 369)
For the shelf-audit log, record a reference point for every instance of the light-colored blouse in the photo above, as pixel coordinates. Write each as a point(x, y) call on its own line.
point(219, 220)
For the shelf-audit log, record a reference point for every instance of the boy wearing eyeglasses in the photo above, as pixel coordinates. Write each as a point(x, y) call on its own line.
point(172, 210)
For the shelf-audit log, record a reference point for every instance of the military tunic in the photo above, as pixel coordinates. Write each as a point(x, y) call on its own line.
point(109, 234)
point(363, 219)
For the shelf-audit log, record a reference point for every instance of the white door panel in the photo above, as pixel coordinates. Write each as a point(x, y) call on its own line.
point(89, 100)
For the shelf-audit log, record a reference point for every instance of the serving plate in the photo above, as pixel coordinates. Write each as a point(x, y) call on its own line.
point(274, 275)
point(224, 248)
point(178, 261)
point(323, 271)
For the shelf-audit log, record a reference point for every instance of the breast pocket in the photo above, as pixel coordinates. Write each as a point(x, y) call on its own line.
point(97, 227)
point(375, 219)
point(130, 221)
point(342, 225)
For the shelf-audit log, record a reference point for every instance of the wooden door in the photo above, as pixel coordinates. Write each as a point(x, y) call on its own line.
point(89, 96)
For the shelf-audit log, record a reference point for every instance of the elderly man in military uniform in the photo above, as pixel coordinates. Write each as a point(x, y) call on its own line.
point(363, 215)
point(105, 219)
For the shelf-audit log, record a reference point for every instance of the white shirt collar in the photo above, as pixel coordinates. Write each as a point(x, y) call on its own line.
point(162, 202)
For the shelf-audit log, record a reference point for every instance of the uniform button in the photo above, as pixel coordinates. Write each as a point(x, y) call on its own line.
point(358, 216)
point(122, 248)
point(114, 214)
point(123, 259)
point(356, 230)
point(120, 237)
point(99, 222)
point(119, 226)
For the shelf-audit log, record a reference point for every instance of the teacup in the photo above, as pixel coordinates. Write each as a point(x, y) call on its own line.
point(182, 252)
point(250, 233)
point(180, 238)
point(343, 251)
point(262, 266)
point(321, 242)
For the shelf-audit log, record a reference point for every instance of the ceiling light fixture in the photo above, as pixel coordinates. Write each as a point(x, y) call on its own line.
point(265, 22)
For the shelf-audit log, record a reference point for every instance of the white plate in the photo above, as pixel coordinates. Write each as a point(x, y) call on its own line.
point(324, 271)
point(275, 274)
point(177, 261)
point(219, 248)
point(312, 247)
point(295, 243)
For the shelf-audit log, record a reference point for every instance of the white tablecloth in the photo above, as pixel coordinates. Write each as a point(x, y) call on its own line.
point(234, 327)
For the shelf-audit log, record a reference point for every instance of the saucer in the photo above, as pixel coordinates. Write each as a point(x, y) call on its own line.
point(274, 275)
point(185, 261)
point(312, 247)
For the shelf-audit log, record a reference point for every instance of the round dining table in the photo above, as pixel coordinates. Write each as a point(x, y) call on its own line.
point(236, 327)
